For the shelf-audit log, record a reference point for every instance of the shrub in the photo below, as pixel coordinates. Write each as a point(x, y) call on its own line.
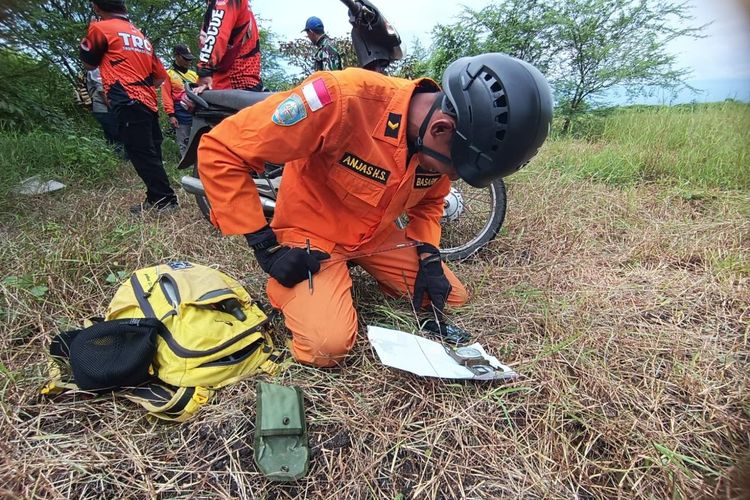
point(69, 158)
point(34, 95)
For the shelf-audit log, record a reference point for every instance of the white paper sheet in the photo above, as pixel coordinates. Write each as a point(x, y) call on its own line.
point(427, 358)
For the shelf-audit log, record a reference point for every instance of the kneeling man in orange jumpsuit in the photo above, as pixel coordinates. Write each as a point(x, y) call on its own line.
point(361, 149)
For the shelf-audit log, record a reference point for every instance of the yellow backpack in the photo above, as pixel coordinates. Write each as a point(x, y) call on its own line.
point(213, 336)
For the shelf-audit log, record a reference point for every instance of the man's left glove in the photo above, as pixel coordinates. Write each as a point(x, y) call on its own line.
point(288, 265)
point(431, 279)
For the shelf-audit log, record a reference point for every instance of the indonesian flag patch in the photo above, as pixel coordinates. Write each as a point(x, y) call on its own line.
point(316, 94)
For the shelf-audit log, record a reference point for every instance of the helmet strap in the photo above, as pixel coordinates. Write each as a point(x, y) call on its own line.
point(419, 143)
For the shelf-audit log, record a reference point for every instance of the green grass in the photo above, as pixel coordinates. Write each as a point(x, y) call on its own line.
point(695, 146)
point(66, 157)
point(624, 308)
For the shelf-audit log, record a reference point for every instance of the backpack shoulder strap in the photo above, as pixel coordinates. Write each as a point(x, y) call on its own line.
point(176, 404)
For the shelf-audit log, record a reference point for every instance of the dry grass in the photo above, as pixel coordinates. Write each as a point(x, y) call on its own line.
point(628, 312)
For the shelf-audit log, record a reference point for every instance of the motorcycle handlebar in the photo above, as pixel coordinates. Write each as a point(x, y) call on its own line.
point(352, 6)
point(360, 13)
point(195, 97)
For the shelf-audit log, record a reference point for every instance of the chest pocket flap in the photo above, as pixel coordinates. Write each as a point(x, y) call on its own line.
point(354, 177)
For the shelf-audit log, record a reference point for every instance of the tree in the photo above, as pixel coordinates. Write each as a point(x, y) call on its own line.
point(273, 72)
point(51, 30)
point(521, 28)
point(299, 52)
point(415, 63)
point(609, 43)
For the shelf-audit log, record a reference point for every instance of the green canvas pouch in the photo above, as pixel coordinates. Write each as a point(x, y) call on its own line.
point(281, 451)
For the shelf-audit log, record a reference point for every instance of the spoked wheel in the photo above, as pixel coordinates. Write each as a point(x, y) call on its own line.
point(472, 218)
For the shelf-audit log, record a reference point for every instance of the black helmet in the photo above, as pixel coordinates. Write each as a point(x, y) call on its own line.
point(503, 111)
point(116, 6)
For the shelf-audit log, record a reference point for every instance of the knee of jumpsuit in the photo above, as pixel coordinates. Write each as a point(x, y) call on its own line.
point(324, 323)
point(393, 283)
point(324, 347)
point(459, 294)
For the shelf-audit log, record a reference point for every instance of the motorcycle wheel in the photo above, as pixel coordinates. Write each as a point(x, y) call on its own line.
point(202, 201)
point(472, 218)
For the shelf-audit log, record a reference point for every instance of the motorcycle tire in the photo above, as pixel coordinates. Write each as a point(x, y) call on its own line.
point(482, 215)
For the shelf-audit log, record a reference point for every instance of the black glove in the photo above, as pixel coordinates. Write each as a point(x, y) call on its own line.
point(288, 265)
point(431, 279)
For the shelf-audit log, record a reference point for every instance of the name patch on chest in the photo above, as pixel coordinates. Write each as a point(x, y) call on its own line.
point(423, 181)
point(360, 166)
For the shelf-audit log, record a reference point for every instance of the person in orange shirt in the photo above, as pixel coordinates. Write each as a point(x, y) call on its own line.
point(229, 56)
point(131, 73)
point(361, 149)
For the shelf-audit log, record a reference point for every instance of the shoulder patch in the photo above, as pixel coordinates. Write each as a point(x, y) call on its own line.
point(317, 95)
point(290, 111)
point(393, 125)
point(179, 265)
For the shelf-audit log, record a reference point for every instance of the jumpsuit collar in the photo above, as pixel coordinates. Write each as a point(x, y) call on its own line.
point(392, 126)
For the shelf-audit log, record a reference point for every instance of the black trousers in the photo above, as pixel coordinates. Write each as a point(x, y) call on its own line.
point(141, 136)
point(111, 130)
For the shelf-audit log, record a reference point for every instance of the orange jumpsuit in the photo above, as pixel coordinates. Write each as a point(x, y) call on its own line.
point(342, 136)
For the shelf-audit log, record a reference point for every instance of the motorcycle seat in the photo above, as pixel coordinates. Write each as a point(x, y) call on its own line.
point(233, 99)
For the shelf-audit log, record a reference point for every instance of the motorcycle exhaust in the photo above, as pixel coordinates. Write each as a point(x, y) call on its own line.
point(194, 186)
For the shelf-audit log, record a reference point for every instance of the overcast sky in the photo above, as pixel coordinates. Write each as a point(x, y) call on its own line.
point(723, 55)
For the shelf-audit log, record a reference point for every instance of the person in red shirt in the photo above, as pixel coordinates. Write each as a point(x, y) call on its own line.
point(229, 55)
point(361, 149)
point(131, 73)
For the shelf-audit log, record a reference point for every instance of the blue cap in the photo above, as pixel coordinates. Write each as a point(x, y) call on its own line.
point(315, 24)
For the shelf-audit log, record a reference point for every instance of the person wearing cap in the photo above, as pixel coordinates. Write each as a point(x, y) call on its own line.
point(360, 150)
point(173, 93)
point(131, 73)
point(229, 53)
point(326, 56)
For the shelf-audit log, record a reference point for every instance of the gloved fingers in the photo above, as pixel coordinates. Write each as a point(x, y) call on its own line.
point(418, 297)
point(290, 266)
point(320, 255)
point(312, 261)
point(441, 298)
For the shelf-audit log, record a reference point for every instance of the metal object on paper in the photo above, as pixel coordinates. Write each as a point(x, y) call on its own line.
point(428, 358)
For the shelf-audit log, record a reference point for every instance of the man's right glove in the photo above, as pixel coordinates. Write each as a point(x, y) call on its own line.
point(288, 265)
point(430, 279)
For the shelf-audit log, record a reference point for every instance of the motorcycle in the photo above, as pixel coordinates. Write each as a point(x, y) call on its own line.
point(471, 217)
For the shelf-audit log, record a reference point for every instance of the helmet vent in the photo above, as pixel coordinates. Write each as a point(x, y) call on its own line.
point(502, 118)
point(501, 102)
point(499, 135)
